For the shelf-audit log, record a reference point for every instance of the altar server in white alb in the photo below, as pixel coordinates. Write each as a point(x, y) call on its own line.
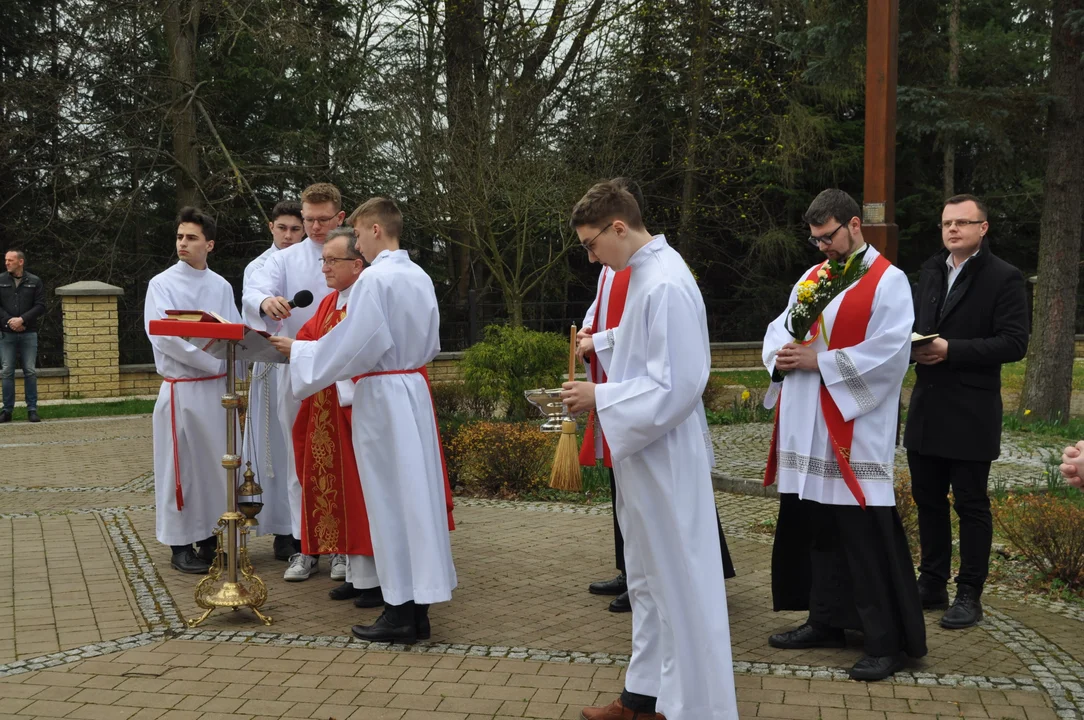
point(651, 412)
point(266, 441)
point(840, 549)
point(189, 421)
point(384, 343)
point(266, 305)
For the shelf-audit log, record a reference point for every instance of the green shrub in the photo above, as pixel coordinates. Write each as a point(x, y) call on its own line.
point(503, 460)
point(1048, 530)
point(449, 430)
point(513, 359)
point(453, 399)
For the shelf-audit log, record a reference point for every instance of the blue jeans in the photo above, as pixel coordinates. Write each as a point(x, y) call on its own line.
point(23, 345)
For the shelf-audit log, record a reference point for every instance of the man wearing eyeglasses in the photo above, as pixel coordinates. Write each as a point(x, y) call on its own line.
point(840, 551)
point(266, 305)
point(975, 303)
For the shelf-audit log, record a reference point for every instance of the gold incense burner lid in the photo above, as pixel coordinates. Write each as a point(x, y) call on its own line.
point(249, 487)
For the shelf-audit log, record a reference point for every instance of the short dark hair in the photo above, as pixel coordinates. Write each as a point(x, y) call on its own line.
point(832, 203)
point(384, 211)
point(605, 202)
point(20, 253)
point(351, 244)
point(286, 207)
point(962, 198)
point(195, 215)
point(634, 189)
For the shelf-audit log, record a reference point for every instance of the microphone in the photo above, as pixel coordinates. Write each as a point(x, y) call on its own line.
point(302, 299)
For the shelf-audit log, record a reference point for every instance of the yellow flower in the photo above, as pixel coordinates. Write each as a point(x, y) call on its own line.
point(745, 395)
point(1026, 413)
point(806, 288)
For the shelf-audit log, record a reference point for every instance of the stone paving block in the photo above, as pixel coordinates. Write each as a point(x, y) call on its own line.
point(523, 605)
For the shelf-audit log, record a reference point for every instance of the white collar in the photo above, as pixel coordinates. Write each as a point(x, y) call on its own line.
point(657, 243)
point(953, 266)
point(184, 267)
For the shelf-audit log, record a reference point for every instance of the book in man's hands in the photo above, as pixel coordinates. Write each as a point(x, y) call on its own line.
point(920, 340)
point(195, 316)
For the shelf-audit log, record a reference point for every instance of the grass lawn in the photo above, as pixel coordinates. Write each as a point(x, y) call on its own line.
point(119, 407)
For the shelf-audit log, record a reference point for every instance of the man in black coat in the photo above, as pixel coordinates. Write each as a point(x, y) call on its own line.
point(22, 302)
point(976, 304)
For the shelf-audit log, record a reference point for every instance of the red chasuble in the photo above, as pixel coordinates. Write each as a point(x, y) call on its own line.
point(333, 516)
point(619, 290)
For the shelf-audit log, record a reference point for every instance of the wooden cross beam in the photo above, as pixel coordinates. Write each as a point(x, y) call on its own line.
point(878, 197)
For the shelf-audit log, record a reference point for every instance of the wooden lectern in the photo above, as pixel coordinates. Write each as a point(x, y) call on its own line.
point(230, 342)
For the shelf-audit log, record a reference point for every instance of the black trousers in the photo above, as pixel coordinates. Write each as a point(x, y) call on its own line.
point(619, 540)
point(931, 479)
point(851, 587)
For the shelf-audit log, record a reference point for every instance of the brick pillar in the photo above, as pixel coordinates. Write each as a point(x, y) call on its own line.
point(91, 349)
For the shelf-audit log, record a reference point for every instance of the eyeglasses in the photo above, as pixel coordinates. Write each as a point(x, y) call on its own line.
point(818, 240)
point(589, 246)
point(333, 260)
point(946, 224)
point(319, 221)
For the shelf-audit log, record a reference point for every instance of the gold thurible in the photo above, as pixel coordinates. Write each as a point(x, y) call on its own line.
point(233, 526)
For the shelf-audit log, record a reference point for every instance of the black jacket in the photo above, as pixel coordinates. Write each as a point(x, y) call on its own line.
point(955, 409)
point(26, 301)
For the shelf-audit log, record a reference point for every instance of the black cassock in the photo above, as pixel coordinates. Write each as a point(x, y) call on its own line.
point(851, 569)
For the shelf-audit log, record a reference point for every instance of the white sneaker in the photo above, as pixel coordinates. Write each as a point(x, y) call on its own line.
point(338, 567)
point(301, 567)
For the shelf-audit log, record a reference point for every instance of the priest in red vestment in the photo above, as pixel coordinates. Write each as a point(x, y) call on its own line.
point(333, 517)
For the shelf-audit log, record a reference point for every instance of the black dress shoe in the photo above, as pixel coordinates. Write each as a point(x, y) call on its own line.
point(609, 587)
point(284, 547)
point(188, 562)
point(383, 630)
point(369, 598)
point(621, 604)
point(206, 553)
point(344, 592)
point(807, 636)
point(872, 668)
point(32, 416)
point(5, 416)
point(966, 609)
point(932, 596)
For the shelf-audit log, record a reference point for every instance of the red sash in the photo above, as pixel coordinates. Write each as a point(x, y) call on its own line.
point(173, 430)
point(333, 513)
point(614, 309)
point(849, 329)
point(443, 464)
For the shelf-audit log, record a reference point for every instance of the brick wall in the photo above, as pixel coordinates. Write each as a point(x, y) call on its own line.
point(735, 355)
point(52, 384)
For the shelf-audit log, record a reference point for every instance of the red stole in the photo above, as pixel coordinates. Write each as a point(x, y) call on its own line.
point(619, 290)
point(849, 329)
point(333, 516)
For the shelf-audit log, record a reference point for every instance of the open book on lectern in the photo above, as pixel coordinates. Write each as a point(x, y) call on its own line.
point(251, 345)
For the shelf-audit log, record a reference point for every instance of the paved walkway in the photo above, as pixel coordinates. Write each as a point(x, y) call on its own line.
point(91, 617)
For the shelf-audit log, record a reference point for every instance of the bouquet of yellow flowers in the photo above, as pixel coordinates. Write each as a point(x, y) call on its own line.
point(815, 295)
